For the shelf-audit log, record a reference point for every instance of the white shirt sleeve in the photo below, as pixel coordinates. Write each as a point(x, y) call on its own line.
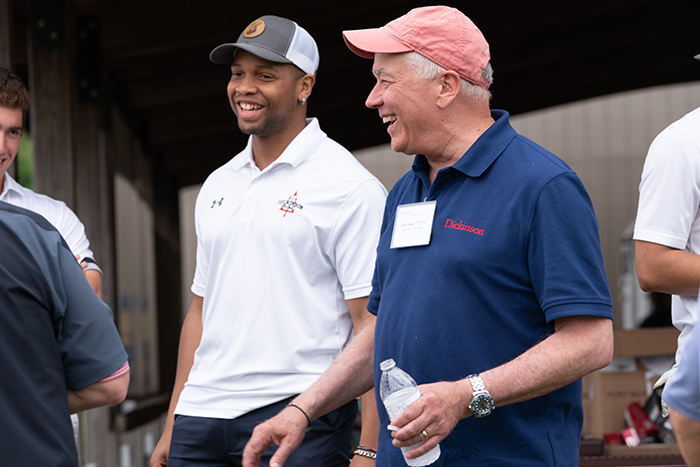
point(669, 193)
point(353, 244)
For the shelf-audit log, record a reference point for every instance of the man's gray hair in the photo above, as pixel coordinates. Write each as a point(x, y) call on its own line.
point(427, 69)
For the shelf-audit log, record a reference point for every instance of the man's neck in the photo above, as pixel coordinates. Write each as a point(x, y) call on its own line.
point(267, 149)
point(456, 146)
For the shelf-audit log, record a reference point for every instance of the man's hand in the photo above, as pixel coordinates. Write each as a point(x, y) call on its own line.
point(93, 277)
point(437, 412)
point(159, 458)
point(286, 430)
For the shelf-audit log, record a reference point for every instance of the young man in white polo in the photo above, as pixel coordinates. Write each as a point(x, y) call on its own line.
point(14, 105)
point(286, 239)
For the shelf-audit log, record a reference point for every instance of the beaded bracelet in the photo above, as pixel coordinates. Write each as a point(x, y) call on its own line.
point(363, 453)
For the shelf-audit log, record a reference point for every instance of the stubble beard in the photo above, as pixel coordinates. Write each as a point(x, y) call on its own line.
point(268, 126)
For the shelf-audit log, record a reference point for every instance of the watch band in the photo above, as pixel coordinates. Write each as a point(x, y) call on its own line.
point(477, 384)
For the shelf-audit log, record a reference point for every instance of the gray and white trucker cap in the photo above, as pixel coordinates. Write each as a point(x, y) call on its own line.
point(275, 39)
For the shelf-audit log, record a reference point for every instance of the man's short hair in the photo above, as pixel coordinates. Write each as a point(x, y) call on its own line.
point(13, 92)
point(427, 69)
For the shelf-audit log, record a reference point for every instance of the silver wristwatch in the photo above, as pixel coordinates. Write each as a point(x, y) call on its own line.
point(482, 402)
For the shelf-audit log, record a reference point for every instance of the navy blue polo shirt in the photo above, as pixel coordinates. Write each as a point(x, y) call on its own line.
point(514, 246)
point(55, 333)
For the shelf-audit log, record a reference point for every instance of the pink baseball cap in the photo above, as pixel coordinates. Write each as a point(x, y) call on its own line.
point(440, 33)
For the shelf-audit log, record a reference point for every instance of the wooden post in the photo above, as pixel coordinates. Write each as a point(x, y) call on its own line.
point(51, 96)
point(5, 34)
point(94, 205)
point(93, 188)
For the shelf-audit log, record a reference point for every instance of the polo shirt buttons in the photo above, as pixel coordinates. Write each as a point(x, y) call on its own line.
point(252, 190)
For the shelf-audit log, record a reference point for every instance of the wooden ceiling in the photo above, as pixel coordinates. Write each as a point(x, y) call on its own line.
point(544, 53)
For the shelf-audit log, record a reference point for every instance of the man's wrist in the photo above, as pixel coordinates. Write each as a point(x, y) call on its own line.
point(364, 451)
point(481, 404)
point(465, 393)
point(308, 419)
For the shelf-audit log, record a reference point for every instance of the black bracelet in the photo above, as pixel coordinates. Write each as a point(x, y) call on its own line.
point(365, 448)
point(308, 426)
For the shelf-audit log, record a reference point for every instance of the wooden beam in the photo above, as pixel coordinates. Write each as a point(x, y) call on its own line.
point(49, 84)
point(93, 174)
point(94, 194)
point(5, 34)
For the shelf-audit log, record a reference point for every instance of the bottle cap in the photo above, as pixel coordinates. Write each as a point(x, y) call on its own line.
point(387, 364)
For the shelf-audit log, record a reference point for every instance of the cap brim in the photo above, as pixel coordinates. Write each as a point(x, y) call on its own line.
point(697, 57)
point(367, 42)
point(225, 52)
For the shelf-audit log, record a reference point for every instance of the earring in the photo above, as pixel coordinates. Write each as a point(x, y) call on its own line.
point(303, 101)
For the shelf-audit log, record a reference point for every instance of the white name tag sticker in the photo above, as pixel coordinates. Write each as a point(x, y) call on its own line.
point(413, 224)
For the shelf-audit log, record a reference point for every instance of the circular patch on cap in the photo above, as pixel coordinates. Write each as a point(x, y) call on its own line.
point(254, 29)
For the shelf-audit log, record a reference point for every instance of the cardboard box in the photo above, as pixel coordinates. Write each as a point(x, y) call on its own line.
point(606, 393)
point(656, 449)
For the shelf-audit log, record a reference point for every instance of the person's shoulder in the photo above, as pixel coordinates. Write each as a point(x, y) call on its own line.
point(520, 154)
point(692, 118)
point(22, 218)
point(526, 160)
point(39, 202)
point(232, 166)
point(341, 161)
point(678, 141)
point(688, 123)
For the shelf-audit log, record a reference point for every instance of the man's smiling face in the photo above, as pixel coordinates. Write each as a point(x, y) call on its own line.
point(263, 94)
point(403, 101)
point(10, 132)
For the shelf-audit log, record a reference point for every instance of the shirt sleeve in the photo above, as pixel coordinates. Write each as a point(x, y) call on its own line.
point(124, 369)
point(199, 282)
point(389, 208)
point(355, 236)
point(564, 255)
point(669, 193)
point(90, 346)
point(72, 230)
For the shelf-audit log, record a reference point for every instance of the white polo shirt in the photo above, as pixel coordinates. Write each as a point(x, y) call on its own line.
point(56, 212)
point(279, 251)
point(669, 203)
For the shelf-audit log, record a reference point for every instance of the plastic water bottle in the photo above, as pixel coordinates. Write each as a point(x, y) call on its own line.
point(397, 390)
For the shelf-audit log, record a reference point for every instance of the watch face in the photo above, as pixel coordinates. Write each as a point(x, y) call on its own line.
point(482, 405)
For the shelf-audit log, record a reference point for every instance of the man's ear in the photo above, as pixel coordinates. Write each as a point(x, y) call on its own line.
point(305, 86)
point(449, 86)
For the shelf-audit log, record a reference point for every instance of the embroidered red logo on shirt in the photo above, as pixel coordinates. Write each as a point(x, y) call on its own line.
point(452, 224)
point(290, 205)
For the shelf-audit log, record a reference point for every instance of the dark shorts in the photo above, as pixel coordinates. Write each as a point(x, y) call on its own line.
point(214, 442)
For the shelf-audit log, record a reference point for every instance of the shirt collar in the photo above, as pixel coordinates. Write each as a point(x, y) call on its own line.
point(10, 185)
point(483, 152)
point(301, 147)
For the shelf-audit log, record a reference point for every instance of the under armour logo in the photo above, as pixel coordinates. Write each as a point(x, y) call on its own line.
point(216, 202)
